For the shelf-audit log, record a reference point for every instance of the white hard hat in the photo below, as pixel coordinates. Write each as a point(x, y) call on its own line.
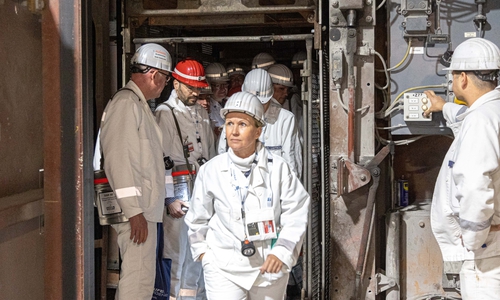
point(298, 59)
point(233, 69)
point(259, 83)
point(152, 55)
point(281, 74)
point(262, 61)
point(475, 54)
point(245, 103)
point(216, 73)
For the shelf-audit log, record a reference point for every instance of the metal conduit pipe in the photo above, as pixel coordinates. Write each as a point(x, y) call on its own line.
point(246, 10)
point(224, 39)
point(392, 254)
point(351, 83)
point(324, 196)
point(306, 176)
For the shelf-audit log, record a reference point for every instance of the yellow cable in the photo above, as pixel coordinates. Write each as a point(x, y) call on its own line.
point(402, 60)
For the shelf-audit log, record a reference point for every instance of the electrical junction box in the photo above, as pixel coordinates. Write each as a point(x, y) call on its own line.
point(414, 106)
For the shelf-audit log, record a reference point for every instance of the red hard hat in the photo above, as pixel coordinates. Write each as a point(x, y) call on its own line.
point(190, 72)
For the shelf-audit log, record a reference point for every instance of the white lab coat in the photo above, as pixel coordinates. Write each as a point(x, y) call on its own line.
point(466, 198)
point(215, 116)
point(280, 136)
point(297, 110)
point(215, 218)
point(171, 142)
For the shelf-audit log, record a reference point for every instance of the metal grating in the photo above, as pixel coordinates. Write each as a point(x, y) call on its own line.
point(320, 228)
point(320, 224)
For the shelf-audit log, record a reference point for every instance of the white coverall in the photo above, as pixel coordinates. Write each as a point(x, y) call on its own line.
point(216, 225)
point(297, 110)
point(132, 147)
point(466, 200)
point(215, 116)
point(280, 136)
point(186, 275)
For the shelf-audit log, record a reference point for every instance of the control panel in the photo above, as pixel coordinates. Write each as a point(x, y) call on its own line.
point(414, 106)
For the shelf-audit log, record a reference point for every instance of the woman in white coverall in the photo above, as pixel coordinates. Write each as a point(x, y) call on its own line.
point(248, 212)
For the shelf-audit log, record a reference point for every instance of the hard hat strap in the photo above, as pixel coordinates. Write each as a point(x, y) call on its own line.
point(492, 76)
point(139, 68)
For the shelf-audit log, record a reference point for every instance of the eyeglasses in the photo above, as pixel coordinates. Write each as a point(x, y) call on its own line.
point(167, 76)
point(191, 89)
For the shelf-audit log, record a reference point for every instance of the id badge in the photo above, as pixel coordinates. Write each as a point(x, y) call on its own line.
point(260, 224)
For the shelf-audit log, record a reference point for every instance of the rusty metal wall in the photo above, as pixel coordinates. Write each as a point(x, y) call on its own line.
point(21, 153)
point(68, 139)
point(21, 139)
point(351, 82)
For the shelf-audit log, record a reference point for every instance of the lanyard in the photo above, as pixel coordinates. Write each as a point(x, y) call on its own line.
point(197, 125)
point(194, 119)
point(241, 182)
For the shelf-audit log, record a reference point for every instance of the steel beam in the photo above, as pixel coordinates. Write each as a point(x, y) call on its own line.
point(68, 218)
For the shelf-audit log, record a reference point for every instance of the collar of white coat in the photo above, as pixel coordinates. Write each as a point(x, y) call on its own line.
point(261, 170)
point(176, 103)
point(493, 95)
point(273, 112)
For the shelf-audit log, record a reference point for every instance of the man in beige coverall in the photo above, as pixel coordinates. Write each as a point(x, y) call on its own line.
point(131, 143)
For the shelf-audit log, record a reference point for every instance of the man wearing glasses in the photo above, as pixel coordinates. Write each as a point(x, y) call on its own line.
point(129, 133)
point(195, 144)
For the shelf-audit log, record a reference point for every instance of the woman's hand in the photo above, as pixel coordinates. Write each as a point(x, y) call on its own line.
point(271, 265)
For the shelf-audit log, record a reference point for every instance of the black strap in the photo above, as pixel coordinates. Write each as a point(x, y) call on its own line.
point(188, 165)
point(125, 88)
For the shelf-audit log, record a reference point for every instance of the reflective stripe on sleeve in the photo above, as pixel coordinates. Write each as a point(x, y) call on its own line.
point(187, 293)
point(475, 226)
point(128, 192)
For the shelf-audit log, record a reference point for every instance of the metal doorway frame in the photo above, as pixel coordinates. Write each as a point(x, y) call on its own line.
point(308, 124)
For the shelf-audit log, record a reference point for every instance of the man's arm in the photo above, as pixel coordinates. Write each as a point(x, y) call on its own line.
point(198, 216)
